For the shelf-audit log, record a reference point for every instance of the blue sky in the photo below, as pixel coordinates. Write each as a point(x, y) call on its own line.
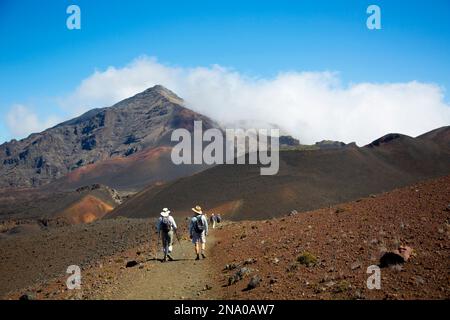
point(41, 60)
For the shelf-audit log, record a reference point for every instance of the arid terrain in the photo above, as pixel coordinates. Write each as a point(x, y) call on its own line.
point(339, 242)
point(87, 192)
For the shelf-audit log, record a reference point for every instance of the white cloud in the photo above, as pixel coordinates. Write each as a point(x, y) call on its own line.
point(104, 88)
point(21, 121)
point(310, 105)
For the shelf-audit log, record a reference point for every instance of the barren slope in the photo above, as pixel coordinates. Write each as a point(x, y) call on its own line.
point(306, 180)
point(346, 239)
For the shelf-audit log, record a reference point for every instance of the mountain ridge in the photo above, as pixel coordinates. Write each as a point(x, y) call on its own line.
point(137, 123)
point(307, 180)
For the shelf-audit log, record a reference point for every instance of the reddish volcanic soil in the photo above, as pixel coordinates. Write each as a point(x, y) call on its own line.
point(346, 239)
point(88, 209)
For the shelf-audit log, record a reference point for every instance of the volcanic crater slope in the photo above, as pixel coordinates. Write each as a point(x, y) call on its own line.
point(307, 180)
point(325, 253)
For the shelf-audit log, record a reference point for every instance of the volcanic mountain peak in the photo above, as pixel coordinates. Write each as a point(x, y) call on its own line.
point(137, 123)
point(150, 98)
point(163, 91)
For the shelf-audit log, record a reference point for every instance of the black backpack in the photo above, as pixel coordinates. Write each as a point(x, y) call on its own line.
point(166, 225)
point(218, 219)
point(199, 225)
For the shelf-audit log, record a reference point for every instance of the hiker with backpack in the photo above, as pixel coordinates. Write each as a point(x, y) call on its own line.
point(213, 220)
point(198, 230)
point(166, 227)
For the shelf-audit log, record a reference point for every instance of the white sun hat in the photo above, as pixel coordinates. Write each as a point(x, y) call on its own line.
point(165, 212)
point(197, 209)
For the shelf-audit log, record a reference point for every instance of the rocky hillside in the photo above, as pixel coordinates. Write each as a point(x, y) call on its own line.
point(136, 124)
point(324, 254)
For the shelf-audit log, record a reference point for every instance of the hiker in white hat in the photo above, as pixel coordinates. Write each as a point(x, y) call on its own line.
point(198, 230)
point(166, 226)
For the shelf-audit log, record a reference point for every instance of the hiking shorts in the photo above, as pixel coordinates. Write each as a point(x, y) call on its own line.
point(198, 237)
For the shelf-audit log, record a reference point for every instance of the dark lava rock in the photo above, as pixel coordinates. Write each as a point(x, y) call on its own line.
point(255, 281)
point(238, 276)
point(390, 259)
point(131, 264)
point(28, 296)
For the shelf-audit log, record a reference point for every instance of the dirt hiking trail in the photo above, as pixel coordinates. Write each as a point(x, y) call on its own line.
point(183, 278)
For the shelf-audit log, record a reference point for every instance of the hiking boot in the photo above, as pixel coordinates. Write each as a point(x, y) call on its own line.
point(170, 257)
point(198, 257)
point(164, 259)
point(203, 256)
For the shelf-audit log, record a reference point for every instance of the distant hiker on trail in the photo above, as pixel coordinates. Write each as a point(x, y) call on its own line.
point(213, 220)
point(166, 226)
point(198, 230)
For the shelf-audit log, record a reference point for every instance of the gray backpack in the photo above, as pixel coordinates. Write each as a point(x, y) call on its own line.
point(199, 224)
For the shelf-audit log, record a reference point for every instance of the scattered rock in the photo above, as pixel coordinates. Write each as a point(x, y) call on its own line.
point(131, 264)
point(249, 261)
point(239, 275)
point(405, 252)
point(254, 282)
point(292, 267)
point(391, 258)
point(28, 296)
point(230, 266)
point(207, 287)
point(358, 295)
point(342, 286)
point(355, 265)
point(307, 259)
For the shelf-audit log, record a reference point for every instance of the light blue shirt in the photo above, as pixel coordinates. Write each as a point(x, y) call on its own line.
point(194, 221)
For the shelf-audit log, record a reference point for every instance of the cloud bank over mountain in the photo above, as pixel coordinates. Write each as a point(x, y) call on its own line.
point(310, 105)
